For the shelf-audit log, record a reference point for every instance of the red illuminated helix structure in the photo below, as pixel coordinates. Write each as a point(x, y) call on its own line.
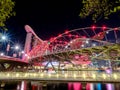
point(77, 46)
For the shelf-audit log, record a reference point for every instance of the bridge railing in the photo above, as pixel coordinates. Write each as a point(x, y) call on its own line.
point(65, 76)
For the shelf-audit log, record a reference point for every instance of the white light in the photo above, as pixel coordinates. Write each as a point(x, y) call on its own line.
point(22, 52)
point(82, 45)
point(87, 41)
point(3, 37)
point(71, 42)
point(26, 55)
point(93, 44)
point(66, 46)
point(107, 32)
point(1, 54)
point(17, 47)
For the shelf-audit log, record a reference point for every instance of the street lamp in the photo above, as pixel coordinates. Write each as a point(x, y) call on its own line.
point(2, 54)
point(17, 47)
point(18, 51)
point(3, 37)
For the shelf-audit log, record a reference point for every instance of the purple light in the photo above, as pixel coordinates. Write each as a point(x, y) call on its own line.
point(91, 86)
point(109, 71)
point(109, 87)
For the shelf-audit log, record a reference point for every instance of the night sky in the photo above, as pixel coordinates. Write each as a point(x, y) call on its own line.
point(50, 17)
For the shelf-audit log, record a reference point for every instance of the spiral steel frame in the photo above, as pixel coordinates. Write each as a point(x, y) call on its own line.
point(78, 47)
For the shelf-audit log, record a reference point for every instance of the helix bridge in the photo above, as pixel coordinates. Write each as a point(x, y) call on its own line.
point(83, 54)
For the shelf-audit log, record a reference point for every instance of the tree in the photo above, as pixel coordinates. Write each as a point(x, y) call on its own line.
point(99, 8)
point(6, 11)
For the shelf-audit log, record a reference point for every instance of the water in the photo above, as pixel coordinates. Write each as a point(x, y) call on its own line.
point(33, 85)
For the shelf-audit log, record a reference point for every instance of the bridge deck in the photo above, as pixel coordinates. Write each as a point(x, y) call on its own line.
point(62, 77)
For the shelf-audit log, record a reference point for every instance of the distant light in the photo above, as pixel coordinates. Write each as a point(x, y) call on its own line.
point(66, 32)
point(4, 38)
point(69, 35)
point(74, 75)
point(82, 45)
point(1, 54)
point(115, 76)
point(87, 41)
point(26, 55)
point(66, 46)
point(71, 42)
point(51, 39)
point(83, 36)
point(65, 42)
point(93, 27)
point(65, 75)
point(93, 44)
point(115, 29)
point(76, 36)
point(103, 27)
point(107, 32)
point(17, 47)
point(93, 75)
point(59, 35)
point(84, 76)
point(22, 52)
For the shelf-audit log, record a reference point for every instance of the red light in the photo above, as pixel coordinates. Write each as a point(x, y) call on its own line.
point(59, 35)
point(69, 35)
point(54, 38)
point(66, 32)
point(51, 39)
point(115, 29)
point(103, 27)
point(60, 41)
point(55, 41)
point(93, 27)
point(76, 36)
point(83, 36)
point(65, 42)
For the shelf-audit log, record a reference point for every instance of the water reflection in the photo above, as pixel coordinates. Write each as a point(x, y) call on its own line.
point(58, 86)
